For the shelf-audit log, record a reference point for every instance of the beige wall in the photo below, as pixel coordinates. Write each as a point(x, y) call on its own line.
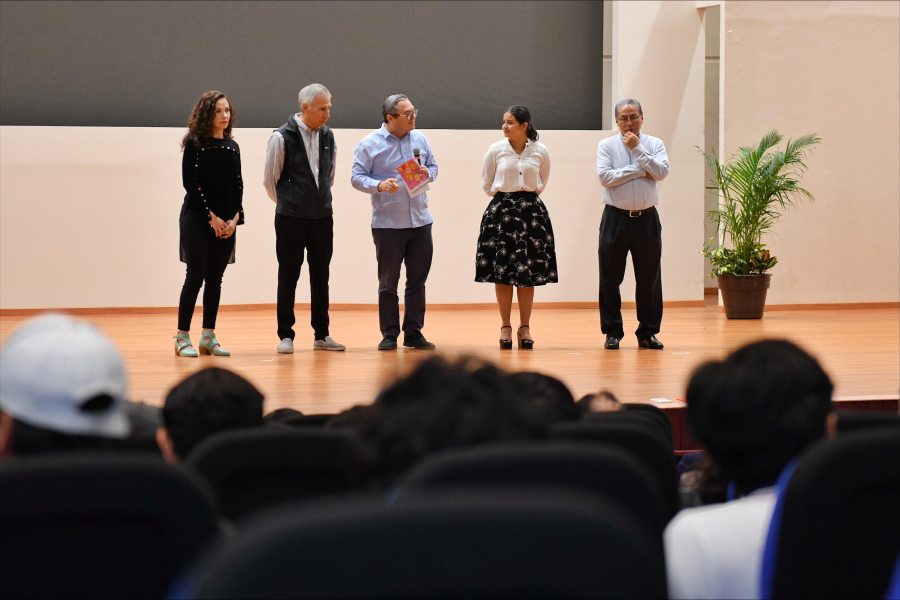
point(832, 68)
point(94, 223)
point(88, 216)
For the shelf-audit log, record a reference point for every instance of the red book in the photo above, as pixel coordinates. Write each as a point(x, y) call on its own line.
point(415, 181)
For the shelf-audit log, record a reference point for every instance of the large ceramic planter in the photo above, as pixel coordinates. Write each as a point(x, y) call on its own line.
point(744, 296)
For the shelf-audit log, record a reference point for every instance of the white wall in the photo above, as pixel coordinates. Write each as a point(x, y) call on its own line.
point(832, 68)
point(92, 222)
point(88, 216)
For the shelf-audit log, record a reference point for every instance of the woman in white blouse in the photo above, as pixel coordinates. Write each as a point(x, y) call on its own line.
point(516, 247)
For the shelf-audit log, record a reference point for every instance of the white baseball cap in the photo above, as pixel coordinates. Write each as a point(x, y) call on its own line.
point(52, 366)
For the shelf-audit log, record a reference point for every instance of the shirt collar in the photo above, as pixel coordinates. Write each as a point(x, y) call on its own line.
point(303, 126)
point(528, 144)
point(383, 131)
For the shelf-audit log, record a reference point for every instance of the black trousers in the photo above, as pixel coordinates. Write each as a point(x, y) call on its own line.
point(206, 257)
point(393, 247)
point(642, 236)
point(292, 236)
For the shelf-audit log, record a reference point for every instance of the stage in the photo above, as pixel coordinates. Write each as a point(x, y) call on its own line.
point(858, 347)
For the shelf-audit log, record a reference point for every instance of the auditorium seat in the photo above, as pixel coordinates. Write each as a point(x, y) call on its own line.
point(658, 425)
point(253, 469)
point(447, 545)
point(639, 439)
point(317, 420)
point(99, 526)
point(652, 409)
point(835, 532)
point(604, 470)
point(853, 421)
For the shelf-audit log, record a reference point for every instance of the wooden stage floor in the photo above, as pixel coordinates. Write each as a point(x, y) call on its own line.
point(859, 348)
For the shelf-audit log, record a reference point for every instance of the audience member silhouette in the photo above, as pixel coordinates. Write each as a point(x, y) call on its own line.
point(753, 413)
point(442, 405)
point(204, 403)
point(548, 394)
point(62, 388)
point(602, 401)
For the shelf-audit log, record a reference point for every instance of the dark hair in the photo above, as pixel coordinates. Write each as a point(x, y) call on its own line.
point(522, 115)
point(548, 394)
point(207, 402)
point(200, 122)
point(442, 405)
point(758, 409)
point(280, 415)
point(390, 103)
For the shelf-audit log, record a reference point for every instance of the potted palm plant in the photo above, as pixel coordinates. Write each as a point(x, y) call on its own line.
point(755, 185)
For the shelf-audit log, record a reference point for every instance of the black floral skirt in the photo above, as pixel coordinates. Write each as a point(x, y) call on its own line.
point(516, 244)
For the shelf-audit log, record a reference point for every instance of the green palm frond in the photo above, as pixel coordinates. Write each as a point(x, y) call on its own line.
point(755, 185)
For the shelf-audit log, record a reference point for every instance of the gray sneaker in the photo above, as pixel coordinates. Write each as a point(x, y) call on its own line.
point(286, 346)
point(328, 344)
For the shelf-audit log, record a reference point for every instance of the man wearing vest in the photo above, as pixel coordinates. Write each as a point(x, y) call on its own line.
point(303, 215)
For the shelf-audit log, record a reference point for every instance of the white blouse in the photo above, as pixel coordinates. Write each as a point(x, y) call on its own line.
point(506, 171)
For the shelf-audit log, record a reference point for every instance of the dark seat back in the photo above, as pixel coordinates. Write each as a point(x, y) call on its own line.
point(655, 424)
point(604, 470)
point(658, 414)
point(638, 440)
point(835, 532)
point(316, 420)
point(252, 469)
point(449, 545)
point(848, 421)
point(99, 526)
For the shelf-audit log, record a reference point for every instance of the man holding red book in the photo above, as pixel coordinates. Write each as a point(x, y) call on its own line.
point(401, 222)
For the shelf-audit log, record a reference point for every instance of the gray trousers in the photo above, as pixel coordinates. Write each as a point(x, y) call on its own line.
point(393, 247)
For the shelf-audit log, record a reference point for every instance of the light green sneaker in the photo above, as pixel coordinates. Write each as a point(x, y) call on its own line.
point(210, 345)
point(183, 346)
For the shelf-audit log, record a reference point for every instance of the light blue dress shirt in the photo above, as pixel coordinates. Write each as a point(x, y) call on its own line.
point(621, 170)
point(376, 158)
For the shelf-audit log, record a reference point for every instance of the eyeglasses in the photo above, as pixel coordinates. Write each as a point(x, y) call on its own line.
point(408, 114)
point(626, 118)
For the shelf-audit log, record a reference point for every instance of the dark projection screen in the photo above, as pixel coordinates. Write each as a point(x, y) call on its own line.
point(144, 64)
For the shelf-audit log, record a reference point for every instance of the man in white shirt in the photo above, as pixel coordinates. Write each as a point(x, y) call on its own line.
point(753, 413)
point(629, 165)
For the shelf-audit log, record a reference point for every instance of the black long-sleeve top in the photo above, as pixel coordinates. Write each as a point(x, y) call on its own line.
point(212, 179)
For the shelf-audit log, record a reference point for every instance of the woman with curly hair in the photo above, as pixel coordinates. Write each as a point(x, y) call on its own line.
point(212, 210)
point(516, 248)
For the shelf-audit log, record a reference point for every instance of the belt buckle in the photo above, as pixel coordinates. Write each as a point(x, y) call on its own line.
point(634, 213)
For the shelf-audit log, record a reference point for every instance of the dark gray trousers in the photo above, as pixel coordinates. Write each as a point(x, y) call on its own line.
point(393, 247)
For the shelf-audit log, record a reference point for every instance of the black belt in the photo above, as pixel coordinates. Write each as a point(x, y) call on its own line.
point(631, 213)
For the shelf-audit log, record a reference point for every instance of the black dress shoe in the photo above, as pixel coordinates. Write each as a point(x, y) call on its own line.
point(388, 343)
point(417, 342)
point(612, 343)
point(651, 342)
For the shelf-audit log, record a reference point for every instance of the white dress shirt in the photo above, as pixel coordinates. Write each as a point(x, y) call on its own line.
point(505, 170)
point(622, 171)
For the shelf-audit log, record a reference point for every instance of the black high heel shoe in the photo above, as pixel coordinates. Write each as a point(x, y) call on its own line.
point(524, 343)
point(506, 337)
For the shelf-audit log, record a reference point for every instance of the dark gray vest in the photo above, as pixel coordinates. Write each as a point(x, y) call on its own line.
point(298, 195)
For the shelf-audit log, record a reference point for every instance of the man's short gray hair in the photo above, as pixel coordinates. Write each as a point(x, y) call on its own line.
point(391, 103)
point(628, 102)
point(311, 92)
